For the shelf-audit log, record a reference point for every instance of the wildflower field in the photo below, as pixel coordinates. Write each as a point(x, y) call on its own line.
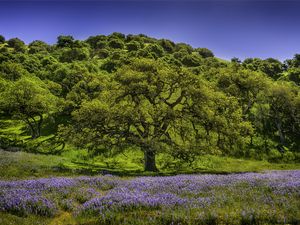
point(246, 198)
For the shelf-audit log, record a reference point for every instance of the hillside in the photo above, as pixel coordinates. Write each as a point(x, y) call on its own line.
point(112, 94)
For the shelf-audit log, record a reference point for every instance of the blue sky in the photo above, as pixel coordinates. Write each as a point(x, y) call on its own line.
point(230, 28)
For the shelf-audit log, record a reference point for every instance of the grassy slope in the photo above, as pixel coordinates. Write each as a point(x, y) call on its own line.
point(23, 165)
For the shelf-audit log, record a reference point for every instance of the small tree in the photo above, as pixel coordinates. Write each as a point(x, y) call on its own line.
point(204, 52)
point(73, 54)
point(133, 46)
point(65, 41)
point(17, 44)
point(12, 71)
point(38, 47)
point(116, 43)
point(29, 100)
point(2, 39)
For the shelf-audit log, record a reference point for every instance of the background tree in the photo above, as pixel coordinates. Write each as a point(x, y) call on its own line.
point(204, 52)
point(191, 60)
point(116, 43)
point(73, 54)
point(167, 45)
point(38, 47)
point(272, 67)
point(65, 41)
point(245, 85)
point(133, 46)
point(284, 112)
point(94, 41)
point(151, 51)
point(27, 99)
point(293, 74)
point(12, 71)
point(17, 44)
point(2, 39)
point(236, 60)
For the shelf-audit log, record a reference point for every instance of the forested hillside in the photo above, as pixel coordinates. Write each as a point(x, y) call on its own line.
point(110, 93)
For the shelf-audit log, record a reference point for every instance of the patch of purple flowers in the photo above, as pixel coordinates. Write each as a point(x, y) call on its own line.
point(126, 199)
point(25, 202)
point(103, 194)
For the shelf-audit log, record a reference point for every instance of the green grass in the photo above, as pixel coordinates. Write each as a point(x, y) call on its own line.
point(222, 60)
point(22, 165)
point(9, 219)
point(15, 165)
point(218, 164)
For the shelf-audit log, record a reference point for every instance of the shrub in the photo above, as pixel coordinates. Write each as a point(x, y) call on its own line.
point(102, 53)
point(133, 46)
point(116, 43)
point(204, 52)
point(17, 44)
point(288, 156)
point(274, 155)
point(252, 153)
point(2, 39)
point(70, 55)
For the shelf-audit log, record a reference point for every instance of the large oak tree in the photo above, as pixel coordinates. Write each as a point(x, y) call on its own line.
point(154, 107)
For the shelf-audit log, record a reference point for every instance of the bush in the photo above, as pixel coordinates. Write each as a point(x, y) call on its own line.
point(156, 51)
point(167, 45)
point(17, 44)
point(73, 54)
point(102, 53)
point(133, 46)
point(191, 60)
point(288, 157)
point(274, 155)
point(204, 52)
point(65, 41)
point(94, 41)
point(2, 39)
point(116, 43)
point(252, 153)
point(101, 45)
point(297, 156)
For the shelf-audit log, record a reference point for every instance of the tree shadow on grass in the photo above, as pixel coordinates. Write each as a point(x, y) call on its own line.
point(84, 168)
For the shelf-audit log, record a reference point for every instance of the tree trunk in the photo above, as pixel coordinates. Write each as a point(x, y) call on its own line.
point(32, 128)
point(150, 164)
point(280, 132)
point(39, 126)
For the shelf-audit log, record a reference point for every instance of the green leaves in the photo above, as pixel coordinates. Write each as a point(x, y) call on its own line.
point(27, 99)
point(12, 71)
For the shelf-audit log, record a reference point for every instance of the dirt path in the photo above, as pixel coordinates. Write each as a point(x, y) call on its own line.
point(63, 219)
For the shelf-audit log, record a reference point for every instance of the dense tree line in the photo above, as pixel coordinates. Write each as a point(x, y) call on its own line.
point(133, 91)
